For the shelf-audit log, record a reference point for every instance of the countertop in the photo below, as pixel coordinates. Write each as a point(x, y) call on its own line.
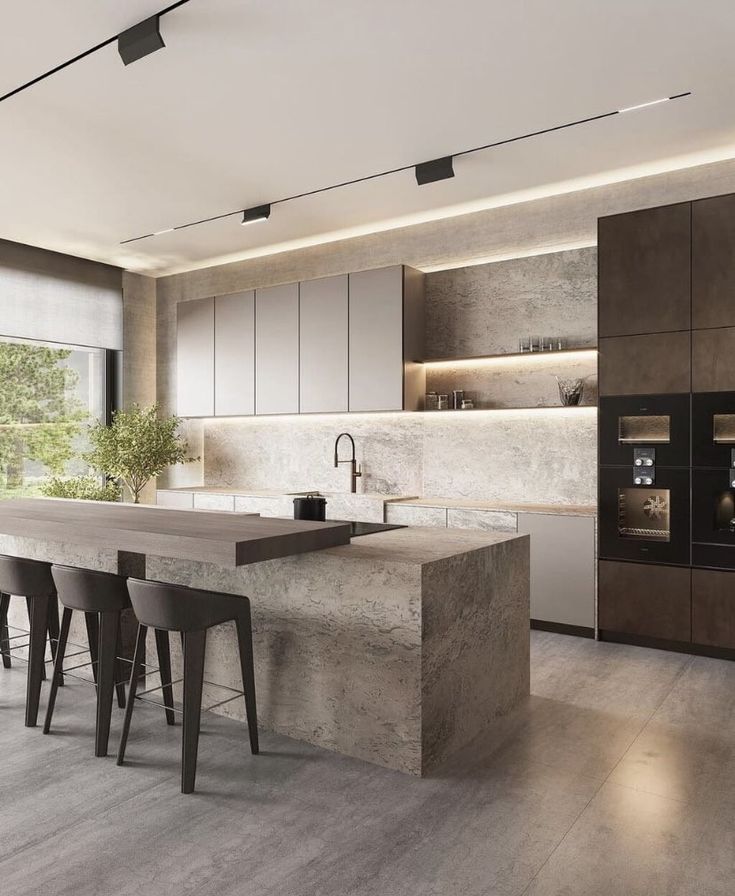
point(228, 539)
point(418, 546)
point(469, 504)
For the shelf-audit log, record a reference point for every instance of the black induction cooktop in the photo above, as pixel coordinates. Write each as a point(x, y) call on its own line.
point(359, 528)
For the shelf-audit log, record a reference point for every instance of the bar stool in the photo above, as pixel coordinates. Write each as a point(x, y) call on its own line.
point(191, 612)
point(31, 579)
point(101, 596)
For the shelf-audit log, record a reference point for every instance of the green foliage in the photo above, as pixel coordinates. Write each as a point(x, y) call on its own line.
point(88, 488)
point(39, 414)
point(137, 446)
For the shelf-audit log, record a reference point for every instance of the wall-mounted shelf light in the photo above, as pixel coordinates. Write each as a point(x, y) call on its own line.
point(515, 358)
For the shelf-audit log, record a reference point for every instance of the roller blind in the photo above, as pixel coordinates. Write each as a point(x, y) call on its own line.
point(58, 298)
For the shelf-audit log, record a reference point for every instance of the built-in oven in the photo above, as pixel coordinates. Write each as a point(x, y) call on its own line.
point(644, 517)
point(657, 422)
point(713, 518)
point(713, 429)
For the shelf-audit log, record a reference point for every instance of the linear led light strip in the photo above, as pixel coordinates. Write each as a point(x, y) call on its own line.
point(426, 172)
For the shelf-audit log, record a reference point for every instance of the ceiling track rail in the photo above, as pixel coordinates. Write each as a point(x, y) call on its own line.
point(80, 56)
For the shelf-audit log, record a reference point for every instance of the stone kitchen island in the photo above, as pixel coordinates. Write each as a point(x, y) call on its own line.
point(397, 648)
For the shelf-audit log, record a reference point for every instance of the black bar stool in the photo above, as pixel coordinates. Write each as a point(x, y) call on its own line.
point(32, 580)
point(101, 596)
point(190, 612)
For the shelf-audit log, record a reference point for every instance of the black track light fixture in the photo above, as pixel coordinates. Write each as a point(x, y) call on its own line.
point(140, 40)
point(436, 169)
point(259, 213)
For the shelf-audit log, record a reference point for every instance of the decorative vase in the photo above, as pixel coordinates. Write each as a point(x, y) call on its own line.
point(570, 391)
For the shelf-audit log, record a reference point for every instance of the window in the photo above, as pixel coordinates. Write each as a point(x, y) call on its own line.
point(49, 394)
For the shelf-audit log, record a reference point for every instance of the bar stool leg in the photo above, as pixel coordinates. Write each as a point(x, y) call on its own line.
point(93, 637)
point(58, 665)
point(53, 631)
point(107, 649)
point(38, 607)
point(4, 633)
point(164, 664)
point(245, 643)
point(29, 604)
point(137, 668)
point(119, 671)
point(194, 648)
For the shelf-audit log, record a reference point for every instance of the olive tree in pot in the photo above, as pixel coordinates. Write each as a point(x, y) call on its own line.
point(137, 446)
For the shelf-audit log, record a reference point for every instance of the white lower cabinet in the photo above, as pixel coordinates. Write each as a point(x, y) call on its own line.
point(213, 501)
point(562, 567)
point(170, 498)
point(494, 520)
point(414, 515)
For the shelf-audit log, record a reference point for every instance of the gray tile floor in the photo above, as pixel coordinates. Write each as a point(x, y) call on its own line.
point(617, 779)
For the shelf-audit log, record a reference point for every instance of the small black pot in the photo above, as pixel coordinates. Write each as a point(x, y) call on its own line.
point(310, 507)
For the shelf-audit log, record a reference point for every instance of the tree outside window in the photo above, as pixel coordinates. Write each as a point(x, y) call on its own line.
point(47, 395)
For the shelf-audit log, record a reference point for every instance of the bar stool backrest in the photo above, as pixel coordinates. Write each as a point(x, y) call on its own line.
point(90, 590)
point(24, 577)
point(178, 608)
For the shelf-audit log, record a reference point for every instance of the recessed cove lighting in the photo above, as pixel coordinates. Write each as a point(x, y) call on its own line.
point(259, 213)
point(140, 40)
point(436, 169)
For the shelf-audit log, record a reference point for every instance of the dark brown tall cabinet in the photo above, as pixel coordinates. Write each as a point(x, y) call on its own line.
point(667, 426)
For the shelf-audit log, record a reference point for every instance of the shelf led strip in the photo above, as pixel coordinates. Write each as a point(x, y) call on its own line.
point(522, 358)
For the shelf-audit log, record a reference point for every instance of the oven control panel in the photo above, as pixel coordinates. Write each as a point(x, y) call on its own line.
point(644, 466)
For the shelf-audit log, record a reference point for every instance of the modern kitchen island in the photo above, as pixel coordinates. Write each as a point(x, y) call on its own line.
point(397, 648)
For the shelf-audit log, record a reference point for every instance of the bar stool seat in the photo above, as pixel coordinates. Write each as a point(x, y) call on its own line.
point(31, 579)
point(102, 597)
point(191, 612)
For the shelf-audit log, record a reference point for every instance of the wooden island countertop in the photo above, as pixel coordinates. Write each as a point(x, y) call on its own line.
point(228, 539)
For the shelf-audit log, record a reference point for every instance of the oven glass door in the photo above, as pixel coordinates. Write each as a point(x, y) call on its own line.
point(644, 421)
point(644, 522)
point(713, 429)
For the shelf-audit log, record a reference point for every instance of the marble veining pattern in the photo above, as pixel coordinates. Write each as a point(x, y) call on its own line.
point(348, 643)
point(484, 309)
point(544, 454)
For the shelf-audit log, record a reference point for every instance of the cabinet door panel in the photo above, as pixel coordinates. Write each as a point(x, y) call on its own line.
point(713, 360)
point(644, 271)
point(234, 354)
point(376, 340)
point(323, 345)
point(195, 358)
point(645, 365)
point(562, 568)
point(277, 350)
point(645, 600)
point(713, 262)
point(713, 608)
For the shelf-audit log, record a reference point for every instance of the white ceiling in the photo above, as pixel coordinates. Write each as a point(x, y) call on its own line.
point(253, 100)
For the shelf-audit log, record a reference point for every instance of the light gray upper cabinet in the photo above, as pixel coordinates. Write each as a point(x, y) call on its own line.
point(195, 358)
point(234, 354)
point(352, 342)
point(385, 340)
point(323, 345)
point(277, 350)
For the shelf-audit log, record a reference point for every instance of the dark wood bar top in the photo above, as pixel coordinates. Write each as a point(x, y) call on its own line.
point(228, 539)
